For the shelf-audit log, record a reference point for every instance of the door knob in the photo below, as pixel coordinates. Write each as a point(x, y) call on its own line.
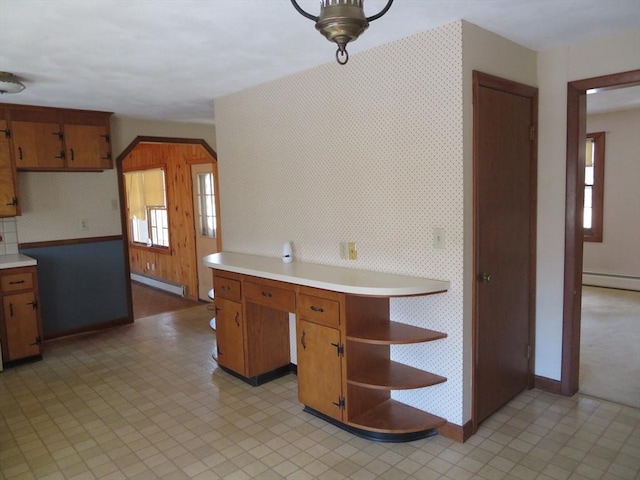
point(484, 277)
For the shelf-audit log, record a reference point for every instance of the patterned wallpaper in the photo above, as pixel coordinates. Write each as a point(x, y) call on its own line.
point(370, 153)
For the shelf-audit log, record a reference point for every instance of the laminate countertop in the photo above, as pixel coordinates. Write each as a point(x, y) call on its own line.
point(16, 260)
point(338, 279)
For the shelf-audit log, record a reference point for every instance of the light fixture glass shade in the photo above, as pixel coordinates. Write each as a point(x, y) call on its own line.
point(9, 83)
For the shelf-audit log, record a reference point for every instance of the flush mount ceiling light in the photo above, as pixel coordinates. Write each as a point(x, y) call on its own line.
point(9, 83)
point(341, 21)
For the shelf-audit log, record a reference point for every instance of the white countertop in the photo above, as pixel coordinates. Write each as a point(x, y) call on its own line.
point(16, 260)
point(339, 279)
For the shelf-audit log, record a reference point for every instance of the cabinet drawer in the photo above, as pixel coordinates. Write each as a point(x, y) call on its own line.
point(226, 288)
point(273, 297)
point(17, 281)
point(319, 310)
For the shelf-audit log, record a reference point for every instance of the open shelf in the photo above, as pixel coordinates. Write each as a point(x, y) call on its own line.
point(389, 375)
point(392, 333)
point(397, 418)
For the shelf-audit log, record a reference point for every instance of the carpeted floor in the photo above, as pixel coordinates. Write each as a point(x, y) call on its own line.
point(610, 345)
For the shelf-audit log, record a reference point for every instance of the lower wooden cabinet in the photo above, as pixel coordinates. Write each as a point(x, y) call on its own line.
point(320, 354)
point(20, 324)
point(230, 335)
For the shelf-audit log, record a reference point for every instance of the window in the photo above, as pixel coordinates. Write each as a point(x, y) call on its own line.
point(146, 198)
point(207, 205)
point(594, 187)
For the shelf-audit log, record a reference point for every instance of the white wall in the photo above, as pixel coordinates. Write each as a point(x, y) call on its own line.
point(619, 252)
point(54, 203)
point(556, 68)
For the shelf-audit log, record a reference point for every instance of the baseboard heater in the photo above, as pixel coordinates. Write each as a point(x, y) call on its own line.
point(611, 281)
point(160, 284)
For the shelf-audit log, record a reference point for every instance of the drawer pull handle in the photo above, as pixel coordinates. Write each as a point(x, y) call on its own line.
point(236, 319)
point(20, 156)
point(226, 288)
point(267, 294)
point(317, 309)
point(16, 282)
point(11, 309)
point(302, 342)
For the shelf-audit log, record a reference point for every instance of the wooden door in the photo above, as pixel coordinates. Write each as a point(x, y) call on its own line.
point(88, 147)
point(8, 188)
point(206, 224)
point(37, 145)
point(319, 368)
point(504, 229)
point(229, 335)
point(21, 325)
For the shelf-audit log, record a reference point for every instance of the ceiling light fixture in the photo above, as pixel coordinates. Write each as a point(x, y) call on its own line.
point(341, 21)
point(9, 83)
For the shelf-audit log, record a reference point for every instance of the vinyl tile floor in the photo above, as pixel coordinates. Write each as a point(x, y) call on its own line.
point(146, 401)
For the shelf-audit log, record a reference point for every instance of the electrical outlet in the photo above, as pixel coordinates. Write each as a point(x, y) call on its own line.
point(84, 224)
point(439, 238)
point(344, 251)
point(353, 251)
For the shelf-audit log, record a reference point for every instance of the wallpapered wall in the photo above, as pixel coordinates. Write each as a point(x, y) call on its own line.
point(370, 153)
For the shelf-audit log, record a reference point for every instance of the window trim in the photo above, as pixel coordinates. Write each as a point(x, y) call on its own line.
point(594, 234)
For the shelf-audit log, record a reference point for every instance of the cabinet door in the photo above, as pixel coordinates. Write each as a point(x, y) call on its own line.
point(88, 147)
point(319, 368)
point(37, 145)
point(21, 325)
point(8, 189)
point(229, 335)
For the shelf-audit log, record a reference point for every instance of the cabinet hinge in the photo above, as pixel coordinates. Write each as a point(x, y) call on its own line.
point(14, 202)
point(340, 404)
point(107, 138)
point(38, 341)
point(7, 133)
point(339, 348)
point(532, 133)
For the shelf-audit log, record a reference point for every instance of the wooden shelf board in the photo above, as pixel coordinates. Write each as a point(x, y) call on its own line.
point(389, 375)
point(393, 333)
point(392, 416)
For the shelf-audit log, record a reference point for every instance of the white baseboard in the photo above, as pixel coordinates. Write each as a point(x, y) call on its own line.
point(160, 284)
point(611, 281)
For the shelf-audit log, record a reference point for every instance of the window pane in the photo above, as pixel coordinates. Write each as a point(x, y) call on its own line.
point(207, 205)
point(146, 199)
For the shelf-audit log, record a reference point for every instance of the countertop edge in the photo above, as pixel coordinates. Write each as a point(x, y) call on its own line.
point(16, 260)
point(415, 285)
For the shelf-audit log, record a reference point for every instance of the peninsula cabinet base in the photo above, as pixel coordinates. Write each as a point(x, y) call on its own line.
point(379, 435)
point(262, 378)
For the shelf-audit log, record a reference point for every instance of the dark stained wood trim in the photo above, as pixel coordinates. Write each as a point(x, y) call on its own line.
point(69, 241)
point(548, 385)
point(164, 140)
point(485, 80)
point(573, 252)
point(89, 328)
point(456, 432)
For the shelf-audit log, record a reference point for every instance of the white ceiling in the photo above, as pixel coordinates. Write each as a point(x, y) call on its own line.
point(168, 59)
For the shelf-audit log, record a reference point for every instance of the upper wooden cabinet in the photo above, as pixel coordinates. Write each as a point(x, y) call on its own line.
point(9, 206)
point(53, 139)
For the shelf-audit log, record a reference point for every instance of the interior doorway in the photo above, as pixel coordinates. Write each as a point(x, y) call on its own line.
point(573, 255)
point(159, 227)
point(504, 223)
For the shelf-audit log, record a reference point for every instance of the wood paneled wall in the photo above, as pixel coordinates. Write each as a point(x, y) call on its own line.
point(178, 264)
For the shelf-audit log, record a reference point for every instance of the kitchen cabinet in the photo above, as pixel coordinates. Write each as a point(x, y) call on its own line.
point(20, 324)
point(230, 336)
point(344, 335)
point(9, 204)
point(53, 139)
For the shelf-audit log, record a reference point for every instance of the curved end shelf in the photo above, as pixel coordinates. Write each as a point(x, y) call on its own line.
point(388, 375)
point(391, 417)
point(393, 333)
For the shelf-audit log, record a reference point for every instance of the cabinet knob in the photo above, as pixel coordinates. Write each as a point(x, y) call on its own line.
point(302, 342)
point(267, 294)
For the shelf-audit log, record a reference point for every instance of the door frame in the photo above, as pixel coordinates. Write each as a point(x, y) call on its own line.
point(574, 204)
point(122, 194)
point(485, 80)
